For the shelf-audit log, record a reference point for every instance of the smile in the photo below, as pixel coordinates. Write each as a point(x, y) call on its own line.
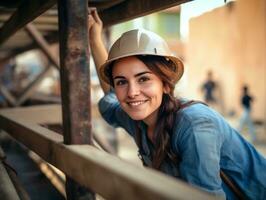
point(135, 103)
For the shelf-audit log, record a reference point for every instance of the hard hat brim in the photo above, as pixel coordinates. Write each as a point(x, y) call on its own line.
point(105, 67)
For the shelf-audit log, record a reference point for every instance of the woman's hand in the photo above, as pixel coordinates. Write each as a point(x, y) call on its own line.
point(95, 27)
point(98, 50)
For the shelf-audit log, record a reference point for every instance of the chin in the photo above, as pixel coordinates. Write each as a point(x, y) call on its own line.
point(136, 117)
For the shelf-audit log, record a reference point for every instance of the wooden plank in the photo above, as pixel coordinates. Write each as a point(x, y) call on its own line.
point(104, 144)
point(26, 12)
point(44, 114)
point(131, 9)
point(105, 174)
point(46, 27)
point(45, 98)
point(47, 115)
point(46, 19)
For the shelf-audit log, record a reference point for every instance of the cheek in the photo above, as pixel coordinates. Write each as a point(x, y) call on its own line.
point(155, 91)
point(119, 94)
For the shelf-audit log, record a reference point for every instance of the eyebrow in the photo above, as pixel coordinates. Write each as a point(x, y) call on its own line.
point(136, 75)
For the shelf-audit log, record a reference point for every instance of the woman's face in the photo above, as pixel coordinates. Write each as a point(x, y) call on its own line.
point(138, 89)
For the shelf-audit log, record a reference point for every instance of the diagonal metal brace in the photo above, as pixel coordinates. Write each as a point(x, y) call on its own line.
point(42, 43)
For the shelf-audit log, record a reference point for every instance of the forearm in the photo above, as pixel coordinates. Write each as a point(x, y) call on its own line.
point(100, 55)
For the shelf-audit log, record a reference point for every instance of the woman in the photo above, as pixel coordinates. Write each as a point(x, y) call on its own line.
point(183, 139)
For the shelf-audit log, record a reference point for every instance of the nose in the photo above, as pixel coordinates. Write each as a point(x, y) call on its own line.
point(133, 90)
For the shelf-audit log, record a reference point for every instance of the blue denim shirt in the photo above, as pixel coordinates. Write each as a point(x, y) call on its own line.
point(205, 143)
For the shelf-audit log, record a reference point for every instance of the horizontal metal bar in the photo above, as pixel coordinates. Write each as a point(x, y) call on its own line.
point(131, 9)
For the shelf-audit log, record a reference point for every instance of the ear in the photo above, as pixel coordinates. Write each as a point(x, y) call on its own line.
point(166, 89)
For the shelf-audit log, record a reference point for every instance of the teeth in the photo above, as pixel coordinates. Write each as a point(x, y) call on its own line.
point(136, 103)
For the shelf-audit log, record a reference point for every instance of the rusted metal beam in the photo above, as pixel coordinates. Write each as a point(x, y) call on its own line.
point(26, 12)
point(33, 85)
point(103, 4)
point(75, 81)
point(109, 176)
point(131, 9)
point(74, 71)
point(44, 46)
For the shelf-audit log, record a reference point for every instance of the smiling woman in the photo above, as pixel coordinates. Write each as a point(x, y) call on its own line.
point(138, 90)
point(186, 140)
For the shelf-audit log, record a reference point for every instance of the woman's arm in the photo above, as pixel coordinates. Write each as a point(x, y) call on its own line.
point(98, 49)
point(199, 147)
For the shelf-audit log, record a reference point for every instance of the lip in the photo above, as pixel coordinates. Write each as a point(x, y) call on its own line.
point(136, 103)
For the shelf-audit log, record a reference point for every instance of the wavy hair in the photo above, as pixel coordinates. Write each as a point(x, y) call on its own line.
point(166, 70)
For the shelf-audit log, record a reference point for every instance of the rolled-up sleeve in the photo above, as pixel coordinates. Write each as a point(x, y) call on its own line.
point(113, 114)
point(199, 147)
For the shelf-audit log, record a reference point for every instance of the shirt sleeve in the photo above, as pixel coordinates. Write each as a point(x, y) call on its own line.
point(113, 114)
point(199, 147)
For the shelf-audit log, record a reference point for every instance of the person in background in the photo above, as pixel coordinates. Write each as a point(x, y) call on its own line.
point(212, 93)
point(245, 118)
point(184, 139)
point(208, 88)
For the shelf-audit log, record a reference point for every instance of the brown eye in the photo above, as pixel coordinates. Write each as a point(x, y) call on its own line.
point(143, 79)
point(120, 82)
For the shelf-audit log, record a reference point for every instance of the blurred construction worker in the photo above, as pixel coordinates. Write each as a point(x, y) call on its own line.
point(245, 119)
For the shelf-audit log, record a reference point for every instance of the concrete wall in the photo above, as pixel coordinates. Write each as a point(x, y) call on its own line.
point(230, 41)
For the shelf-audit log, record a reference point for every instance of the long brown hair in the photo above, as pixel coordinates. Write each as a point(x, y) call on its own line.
point(166, 71)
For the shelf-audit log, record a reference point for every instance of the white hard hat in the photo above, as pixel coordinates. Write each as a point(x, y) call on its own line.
point(139, 42)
